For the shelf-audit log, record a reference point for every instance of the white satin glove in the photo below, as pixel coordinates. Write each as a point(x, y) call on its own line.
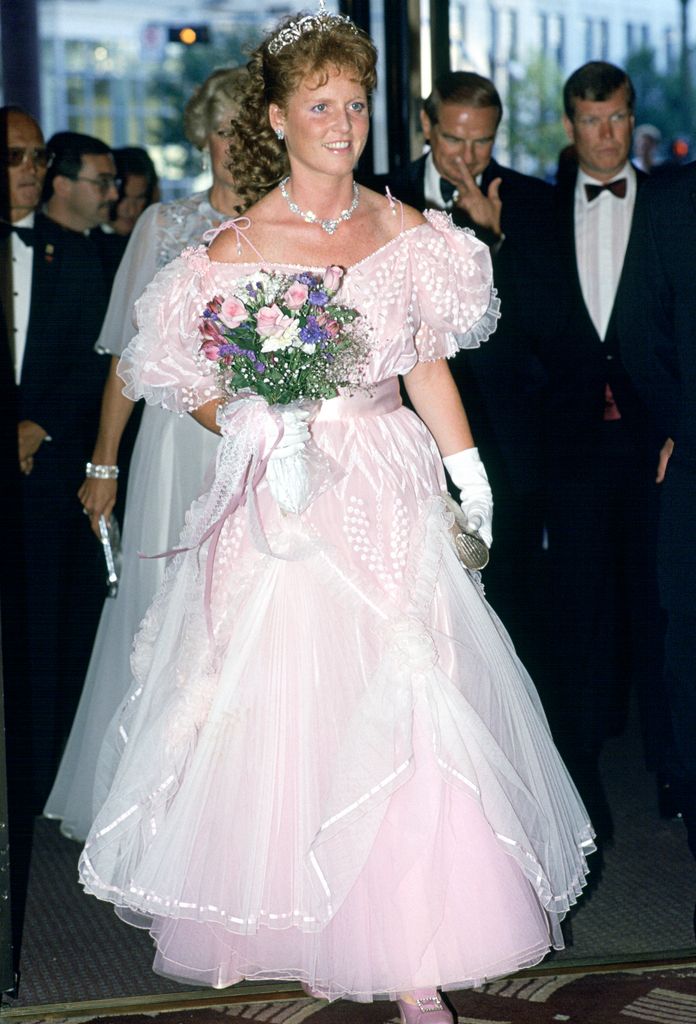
point(295, 433)
point(288, 472)
point(468, 473)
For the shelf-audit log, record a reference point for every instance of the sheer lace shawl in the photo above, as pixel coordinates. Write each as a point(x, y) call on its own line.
point(426, 294)
point(160, 234)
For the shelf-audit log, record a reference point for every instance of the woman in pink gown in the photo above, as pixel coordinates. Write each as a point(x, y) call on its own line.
point(334, 769)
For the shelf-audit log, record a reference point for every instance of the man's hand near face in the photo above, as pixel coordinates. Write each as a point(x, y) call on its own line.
point(484, 210)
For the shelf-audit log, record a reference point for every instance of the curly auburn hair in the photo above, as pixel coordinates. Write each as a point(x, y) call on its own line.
point(258, 157)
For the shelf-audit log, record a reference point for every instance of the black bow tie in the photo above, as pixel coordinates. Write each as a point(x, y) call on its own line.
point(447, 190)
point(617, 188)
point(26, 234)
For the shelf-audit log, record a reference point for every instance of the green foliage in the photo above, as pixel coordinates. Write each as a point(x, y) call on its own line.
point(660, 98)
point(183, 69)
point(534, 112)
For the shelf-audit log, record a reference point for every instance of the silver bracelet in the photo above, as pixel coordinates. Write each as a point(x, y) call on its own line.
point(101, 472)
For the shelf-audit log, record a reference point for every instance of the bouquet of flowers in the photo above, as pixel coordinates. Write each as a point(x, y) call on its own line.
point(285, 339)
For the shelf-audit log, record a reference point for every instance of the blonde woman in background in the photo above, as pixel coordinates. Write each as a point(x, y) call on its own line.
point(169, 462)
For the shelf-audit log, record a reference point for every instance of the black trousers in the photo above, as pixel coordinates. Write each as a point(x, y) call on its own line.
point(677, 575)
point(514, 578)
point(64, 583)
point(607, 624)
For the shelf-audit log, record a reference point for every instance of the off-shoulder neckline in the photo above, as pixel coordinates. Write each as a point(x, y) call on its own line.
point(304, 266)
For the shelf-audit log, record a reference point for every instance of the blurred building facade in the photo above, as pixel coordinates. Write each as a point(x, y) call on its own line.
point(100, 58)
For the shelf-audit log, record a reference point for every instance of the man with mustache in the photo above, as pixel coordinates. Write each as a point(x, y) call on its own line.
point(502, 382)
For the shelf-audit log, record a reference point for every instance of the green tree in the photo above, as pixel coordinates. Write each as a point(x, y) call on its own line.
point(534, 119)
point(658, 95)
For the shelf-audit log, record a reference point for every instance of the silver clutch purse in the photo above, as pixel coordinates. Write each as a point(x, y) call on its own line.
point(111, 542)
point(471, 550)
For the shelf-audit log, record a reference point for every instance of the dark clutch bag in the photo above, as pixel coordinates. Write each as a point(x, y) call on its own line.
point(471, 550)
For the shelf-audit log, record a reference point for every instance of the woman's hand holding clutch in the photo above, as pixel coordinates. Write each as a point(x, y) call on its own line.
point(468, 473)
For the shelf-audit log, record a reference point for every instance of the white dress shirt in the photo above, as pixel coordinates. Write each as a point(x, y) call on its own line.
point(431, 186)
point(22, 264)
point(602, 227)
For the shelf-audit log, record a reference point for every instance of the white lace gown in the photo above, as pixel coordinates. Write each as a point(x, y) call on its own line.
point(168, 470)
point(334, 768)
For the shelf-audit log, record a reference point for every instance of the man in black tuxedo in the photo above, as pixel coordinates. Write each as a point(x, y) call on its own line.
point(602, 451)
point(503, 382)
point(58, 307)
point(656, 318)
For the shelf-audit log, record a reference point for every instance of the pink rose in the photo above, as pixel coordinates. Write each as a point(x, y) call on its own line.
point(271, 320)
point(332, 278)
point(296, 295)
point(233, 312)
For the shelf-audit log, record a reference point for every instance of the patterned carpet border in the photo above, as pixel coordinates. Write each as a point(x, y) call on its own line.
point(640, 995)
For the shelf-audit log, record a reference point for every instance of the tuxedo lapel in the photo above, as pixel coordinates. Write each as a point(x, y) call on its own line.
point(45, 298)
point(416, 183)
point(567, 231)
point(612, 334)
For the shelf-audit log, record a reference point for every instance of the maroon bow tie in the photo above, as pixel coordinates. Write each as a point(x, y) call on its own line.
point(618, 188)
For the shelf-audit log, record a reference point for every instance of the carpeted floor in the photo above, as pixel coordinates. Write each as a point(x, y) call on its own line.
point(656, 996)
point(639, 909)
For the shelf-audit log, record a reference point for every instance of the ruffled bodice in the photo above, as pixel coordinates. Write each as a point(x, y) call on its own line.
point(425, 294)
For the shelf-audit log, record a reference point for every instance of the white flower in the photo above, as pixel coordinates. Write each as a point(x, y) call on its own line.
point(288, 338)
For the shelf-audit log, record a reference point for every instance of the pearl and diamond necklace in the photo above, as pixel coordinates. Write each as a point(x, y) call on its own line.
point(311, 218)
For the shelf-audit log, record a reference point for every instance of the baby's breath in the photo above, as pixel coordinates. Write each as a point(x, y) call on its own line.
point(285, 338)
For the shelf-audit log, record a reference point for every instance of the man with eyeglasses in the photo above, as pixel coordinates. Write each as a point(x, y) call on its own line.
point(59, 382)
point(25, 158)
point(23, 161)
point(81, 183)
point(602, 453)
point(500, 383)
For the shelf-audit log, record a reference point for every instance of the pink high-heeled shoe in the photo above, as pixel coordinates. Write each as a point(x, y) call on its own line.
point(426, 1008)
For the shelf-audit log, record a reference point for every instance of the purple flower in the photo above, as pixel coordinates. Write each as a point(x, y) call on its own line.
point(318, 297)
point(312, 332)
point(308, 279)
point(231, 350)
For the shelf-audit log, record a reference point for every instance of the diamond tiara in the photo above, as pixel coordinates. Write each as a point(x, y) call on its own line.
point(322, 21)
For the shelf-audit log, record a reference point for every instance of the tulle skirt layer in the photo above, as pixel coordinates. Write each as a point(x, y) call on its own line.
point(353, 785)
point(171, 457)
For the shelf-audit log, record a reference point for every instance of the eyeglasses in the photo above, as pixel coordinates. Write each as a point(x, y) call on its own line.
point(619, 117)
point(104, 184)
point(18, 155)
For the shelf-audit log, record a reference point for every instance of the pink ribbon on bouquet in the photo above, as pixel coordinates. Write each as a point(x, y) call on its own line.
point(241, 461)
point(251, 430)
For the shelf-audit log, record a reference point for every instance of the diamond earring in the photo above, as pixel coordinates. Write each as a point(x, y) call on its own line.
point(280, 134)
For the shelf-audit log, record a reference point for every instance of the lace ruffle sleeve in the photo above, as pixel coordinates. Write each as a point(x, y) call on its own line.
point(455, 303)
point(163, 363)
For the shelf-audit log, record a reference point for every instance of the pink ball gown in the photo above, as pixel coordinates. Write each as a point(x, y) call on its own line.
point(353, 784)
